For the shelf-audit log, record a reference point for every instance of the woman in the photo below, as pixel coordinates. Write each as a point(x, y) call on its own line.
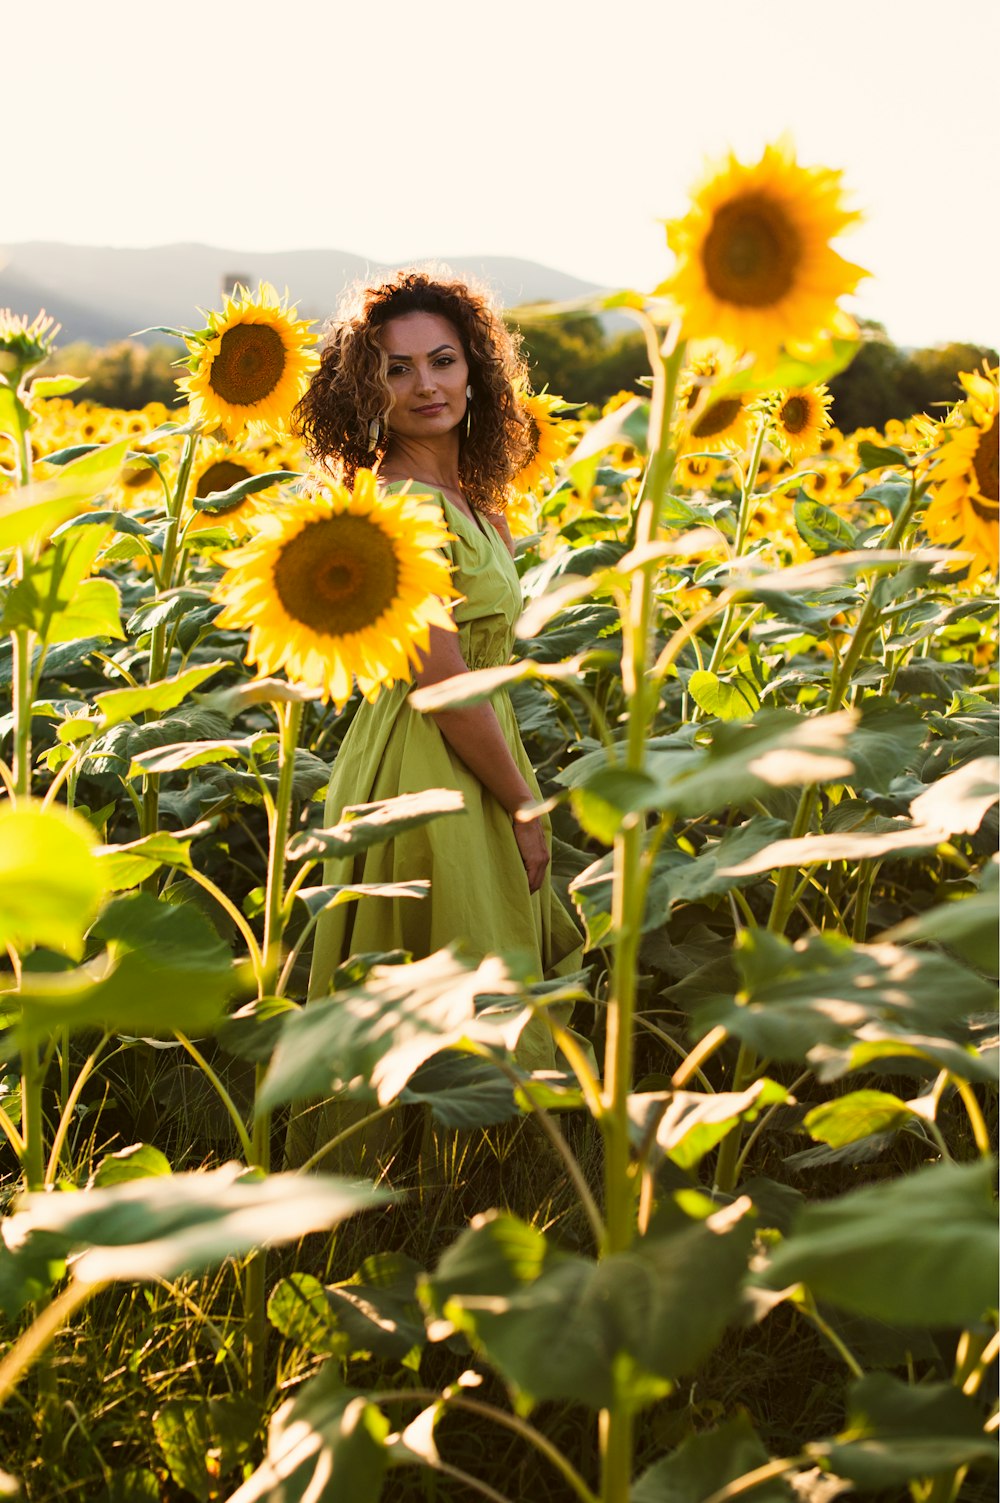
point(418, 380)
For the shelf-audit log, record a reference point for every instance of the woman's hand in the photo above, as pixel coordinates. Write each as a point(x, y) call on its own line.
point(534, 850)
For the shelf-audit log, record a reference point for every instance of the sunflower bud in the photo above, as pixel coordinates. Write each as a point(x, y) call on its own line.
point(24, 345)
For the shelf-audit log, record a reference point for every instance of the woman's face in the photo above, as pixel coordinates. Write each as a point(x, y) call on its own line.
point(427, 375)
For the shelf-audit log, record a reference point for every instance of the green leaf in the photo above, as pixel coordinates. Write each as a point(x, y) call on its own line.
point(365, 825)
point(481, 684)
point(824, 990)
point(559, 1326)
point(787, 370)
point(604, 803)
point(51, 881)
point(703, 1464)
point(217, 502)
point(185, 1223)
point(180, 756)
point(733, 699)
point(116, 705)
point(878, 456)
point(140, 1161)
point(967, 924)
point(462, 1091)
point(124, 866)
point(318, 899)
point(30, 514)
point(372, 1037)
point(896, 1432)
point(378, 1309)
point(821, 529)
point(777, 749)
point(300, 1309)
point(54, 599)
point(848, 1119)
point(917, 1251)
point(326, 1445)
point(165, 969)
point(685, 1125)
point(56, 386)
point(201, 1439)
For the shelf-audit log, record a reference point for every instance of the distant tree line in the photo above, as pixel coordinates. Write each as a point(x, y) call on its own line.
point(577, 358)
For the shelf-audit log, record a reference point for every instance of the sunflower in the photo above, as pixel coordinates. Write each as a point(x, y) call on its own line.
point(522, 515)
point(966, 504)
point(754, 266)
point(251, 365)
point(341, 585)
point(24, 345)
point(722, 421)
point(222, 466)
point(800, 417)
point(549, 435)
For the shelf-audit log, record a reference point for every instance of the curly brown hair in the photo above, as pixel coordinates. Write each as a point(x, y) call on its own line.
point(351, 386)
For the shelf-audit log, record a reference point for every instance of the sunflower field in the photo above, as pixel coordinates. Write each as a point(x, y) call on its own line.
point(736, 1236)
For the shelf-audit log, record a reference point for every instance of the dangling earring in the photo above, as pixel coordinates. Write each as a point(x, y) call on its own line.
point(374, 430)
point(468, 410)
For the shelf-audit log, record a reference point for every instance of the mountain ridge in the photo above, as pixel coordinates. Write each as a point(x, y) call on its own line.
point(105, 293)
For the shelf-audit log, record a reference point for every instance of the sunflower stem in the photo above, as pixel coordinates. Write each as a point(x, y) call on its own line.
point(289, 717)
point(628, 900)
point(749, 480)
point(158, 654)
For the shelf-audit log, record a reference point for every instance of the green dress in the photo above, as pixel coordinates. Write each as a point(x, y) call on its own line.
point(479, 889)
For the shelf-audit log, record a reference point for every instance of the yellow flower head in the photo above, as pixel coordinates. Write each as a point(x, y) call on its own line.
point(219, 467)
point(800, 417)
point(339, 586)
point(966, 506)
point(754, 264)
point(550, 436)
point(720, 422)
point(252, 364)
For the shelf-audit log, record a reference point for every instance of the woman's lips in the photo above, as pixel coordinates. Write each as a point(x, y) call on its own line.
point(431, 409)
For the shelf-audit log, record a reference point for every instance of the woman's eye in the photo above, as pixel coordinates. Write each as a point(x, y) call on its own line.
point(397, 370)
point(445, 360)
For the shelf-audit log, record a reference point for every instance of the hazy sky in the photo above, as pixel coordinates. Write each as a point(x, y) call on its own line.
point(561, 133)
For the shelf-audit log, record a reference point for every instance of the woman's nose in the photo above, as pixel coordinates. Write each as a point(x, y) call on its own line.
point(425, 379)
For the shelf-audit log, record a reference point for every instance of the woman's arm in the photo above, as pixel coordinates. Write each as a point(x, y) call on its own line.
point(502, 526)
point(475, 736)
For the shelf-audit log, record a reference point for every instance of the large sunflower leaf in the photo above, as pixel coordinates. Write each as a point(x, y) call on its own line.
point(824, 990)
point(161, 1227)
point(966, 924)
point(917, 1251)
point(326, 1445)
point(777, 749)
point(559, 1326)
point(897, 1431)
point(30, 515)
point(364, 825)
point(116, 705)
point(372, 1037)
point(704, 1463)
point(125, 866)
point(685, 1125)
point(223, 501)
point(51, 881)
point(165, 969)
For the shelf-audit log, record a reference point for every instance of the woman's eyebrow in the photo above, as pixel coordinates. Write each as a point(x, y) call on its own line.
point(430, 355)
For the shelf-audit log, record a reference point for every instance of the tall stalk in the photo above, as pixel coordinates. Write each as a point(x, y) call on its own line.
point(620, 1184)
point(158, 636)
point(289, 721)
